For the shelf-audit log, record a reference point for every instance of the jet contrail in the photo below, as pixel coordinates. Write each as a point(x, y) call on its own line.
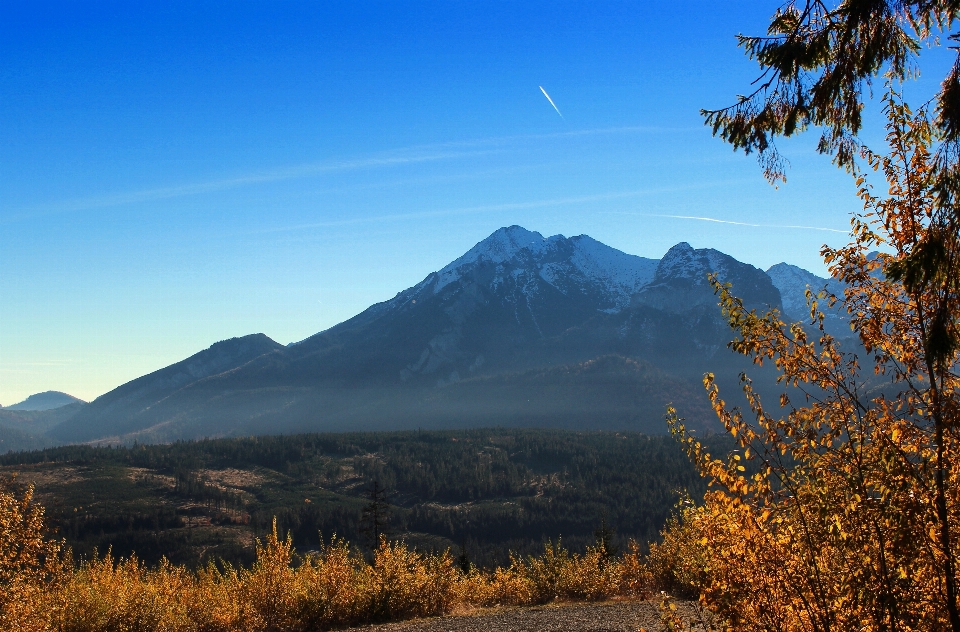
point(727, 221)
point(550, 100)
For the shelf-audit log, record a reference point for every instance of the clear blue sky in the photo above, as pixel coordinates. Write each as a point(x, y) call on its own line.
point(173, 174)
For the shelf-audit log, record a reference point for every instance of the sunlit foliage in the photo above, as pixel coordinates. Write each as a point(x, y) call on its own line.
point(28, 561)
point(840, 510)
point(331, 588)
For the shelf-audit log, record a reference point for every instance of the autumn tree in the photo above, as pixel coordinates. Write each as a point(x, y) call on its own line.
point(851, 519)
point(817, 61)
point(852, 516)
point(29, 561)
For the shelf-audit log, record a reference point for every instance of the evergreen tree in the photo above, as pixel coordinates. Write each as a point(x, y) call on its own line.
point(375, 517)
point(816, 62)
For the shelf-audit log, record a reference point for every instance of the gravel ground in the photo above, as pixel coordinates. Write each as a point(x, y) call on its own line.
point(603, 617)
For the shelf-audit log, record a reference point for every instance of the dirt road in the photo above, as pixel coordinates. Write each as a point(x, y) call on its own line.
point(605, 617)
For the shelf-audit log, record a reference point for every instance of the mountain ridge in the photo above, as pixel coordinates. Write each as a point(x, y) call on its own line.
point(516, 304)
point(136, 396)
point(47, 400)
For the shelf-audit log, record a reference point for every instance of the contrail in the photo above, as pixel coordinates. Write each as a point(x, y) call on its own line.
point(550, 100)
point(727, 221)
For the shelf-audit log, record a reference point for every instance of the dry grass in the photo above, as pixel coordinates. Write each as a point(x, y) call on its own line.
point(232, 479)
point(331, 589)
point(44, 476)
point(42, 590)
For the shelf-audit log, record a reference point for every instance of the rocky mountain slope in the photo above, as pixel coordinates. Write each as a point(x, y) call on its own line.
point(520, 330)
point(793, 283)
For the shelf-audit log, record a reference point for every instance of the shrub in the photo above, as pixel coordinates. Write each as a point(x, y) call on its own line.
point(849, 517)
point(29, 563)
point(333, 588)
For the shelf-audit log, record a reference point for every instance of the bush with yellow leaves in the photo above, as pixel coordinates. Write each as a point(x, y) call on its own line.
point(29, 563)
point(283, 591)
point(849, 518)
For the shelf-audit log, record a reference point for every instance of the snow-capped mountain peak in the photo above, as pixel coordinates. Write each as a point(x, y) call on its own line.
point(623, 273)
point(558, 261)
point(683, 262)
point(681, 280)
point(793, 283)
point(503, 245)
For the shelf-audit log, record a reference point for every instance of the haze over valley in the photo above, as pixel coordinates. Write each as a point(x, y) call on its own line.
point(520, 331)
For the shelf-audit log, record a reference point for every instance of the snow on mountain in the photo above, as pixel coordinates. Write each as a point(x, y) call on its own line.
point(625, 274)
point(793, 283)
point(563, 263)
point(505, 244)
point(681, 281)
point(529, 287)
point(500, 247)
point(514, 302)
point(683, 262)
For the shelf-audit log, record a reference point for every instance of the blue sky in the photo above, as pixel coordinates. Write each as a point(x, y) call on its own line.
point(173, 174)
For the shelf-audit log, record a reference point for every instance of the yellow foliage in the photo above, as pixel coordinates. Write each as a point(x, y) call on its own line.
point(679, 564)
point(28, 562)
point(330, 589)
point(847, 518)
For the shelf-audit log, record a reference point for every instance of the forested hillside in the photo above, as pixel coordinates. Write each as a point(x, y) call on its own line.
point(492, 490)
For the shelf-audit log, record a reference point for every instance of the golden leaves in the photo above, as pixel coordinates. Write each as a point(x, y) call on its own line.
point(851, 520)
point(333, 588)
point(28, 561)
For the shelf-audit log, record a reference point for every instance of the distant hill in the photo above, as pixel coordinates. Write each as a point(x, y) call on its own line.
point(521, 330)
point(46, 401)
point(15, 439)
point(27, 429)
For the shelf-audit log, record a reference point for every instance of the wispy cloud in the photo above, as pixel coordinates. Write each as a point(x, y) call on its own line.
point(499, 207)
point(735, 223)
point(272, 175)
point(426, 153)
point(598, 131)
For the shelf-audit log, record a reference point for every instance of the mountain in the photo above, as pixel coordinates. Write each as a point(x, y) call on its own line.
point(27, 429)
point(117, 411)
point(634, 396)
point(45, 401)
point(522, 330)
point(793, 282)
point(15, 439)
point(482, 312)
point(681, 282)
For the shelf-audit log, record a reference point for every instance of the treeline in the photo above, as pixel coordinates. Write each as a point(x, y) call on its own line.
point(486, 491)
